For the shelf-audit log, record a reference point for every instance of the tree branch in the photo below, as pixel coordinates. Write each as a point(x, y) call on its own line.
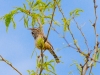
point(10, 65)
point(90, 70)
point(41, 69)
point(96, 35)
point(82, 34)
point(84, 68)
point(51, 21)
point(64, 38)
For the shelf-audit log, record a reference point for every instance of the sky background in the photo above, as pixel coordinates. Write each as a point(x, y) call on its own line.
point(17, 45)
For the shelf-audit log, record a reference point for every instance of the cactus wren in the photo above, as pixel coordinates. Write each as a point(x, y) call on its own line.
point(40, 44)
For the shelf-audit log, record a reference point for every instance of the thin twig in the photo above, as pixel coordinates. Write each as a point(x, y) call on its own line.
point(37, 71)
point(51, 21)
point(10, 65)
point(90, 70)
point(82, 34)
point(74, 40)
point(94, 25)
point(69, 29)
point(38, 60)
point(85, 67)
point(53, 72)
point(68, 43)
point(96, 40)
point(96, 35)
point(40, 25)
point(64, 38)
point(60, 9)
point(33, 52)
point(78, 48)
point(41, 69)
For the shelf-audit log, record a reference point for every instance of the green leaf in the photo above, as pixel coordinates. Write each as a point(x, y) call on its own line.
point(75, 41)
point(13, 12)
point(31, 72)
point(78, 66)
point(33, 52)
point(70, 73)
point(37, 2)
point(8, 19)
point(52, 67)
point(76, 12)
point(33, 22)
point(71, 13)
point(47, 5)
point(66, 24)
point(24, 6)
point(26, 21)
point(98, 54)
point(24, 11)
point(42, 20)
point(14, 24)
point(48, 64)
point(95, 58)
point(57, 23)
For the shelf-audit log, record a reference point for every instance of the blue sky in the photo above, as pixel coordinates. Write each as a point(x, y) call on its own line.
point(17, 45)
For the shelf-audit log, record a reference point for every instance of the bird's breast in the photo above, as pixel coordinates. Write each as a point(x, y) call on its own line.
point(41, 45)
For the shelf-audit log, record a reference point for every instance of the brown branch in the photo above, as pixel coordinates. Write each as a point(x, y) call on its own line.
point(96, 44)
point(82, 34)
point(10, 65)
point(69, 29)
point(60, 9)
point(85, 67)
point(74, 40)
point(63, 17)
point(64, 38)
point(37, 71)
point(96, 35)
point(68, 43)
point(40, 25)
point(94, 25)
point(41, 69)
point(90, 70)
point(79, 50)
point(86, 55)
point(38, 60)
point(51, 21)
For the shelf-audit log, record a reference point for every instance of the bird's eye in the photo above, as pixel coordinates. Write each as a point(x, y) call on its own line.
point(32, 32)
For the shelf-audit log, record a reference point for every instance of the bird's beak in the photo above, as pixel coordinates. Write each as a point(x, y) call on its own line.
point(30, 28)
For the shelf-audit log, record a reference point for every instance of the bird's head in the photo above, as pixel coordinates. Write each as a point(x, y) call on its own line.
point(35, 32)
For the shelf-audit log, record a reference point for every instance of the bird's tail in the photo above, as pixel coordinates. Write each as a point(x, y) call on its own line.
point(54, 55)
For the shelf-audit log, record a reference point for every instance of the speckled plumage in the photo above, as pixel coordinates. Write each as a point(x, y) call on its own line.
point(39, 42)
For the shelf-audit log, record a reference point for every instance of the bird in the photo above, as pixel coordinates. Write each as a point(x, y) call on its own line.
point(41, 44)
